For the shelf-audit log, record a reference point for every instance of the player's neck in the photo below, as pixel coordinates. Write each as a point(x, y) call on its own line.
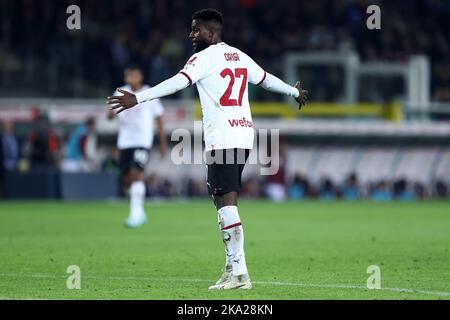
point(136, 88)
point(216, 41)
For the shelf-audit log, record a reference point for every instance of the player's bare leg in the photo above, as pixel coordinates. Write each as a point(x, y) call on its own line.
point(137, 216)
point(235, 275)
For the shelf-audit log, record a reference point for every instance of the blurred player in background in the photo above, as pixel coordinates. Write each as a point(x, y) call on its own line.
point(221, 73)
point(135, 139)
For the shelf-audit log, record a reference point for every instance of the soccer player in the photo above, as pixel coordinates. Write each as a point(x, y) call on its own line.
point(221, 73)
point(135, 141)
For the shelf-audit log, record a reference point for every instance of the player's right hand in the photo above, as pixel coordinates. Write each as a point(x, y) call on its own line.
point(121, 103)
point(303, 97)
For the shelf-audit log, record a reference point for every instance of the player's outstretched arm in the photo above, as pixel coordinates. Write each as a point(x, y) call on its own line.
point(274, 84)
point(128, 100)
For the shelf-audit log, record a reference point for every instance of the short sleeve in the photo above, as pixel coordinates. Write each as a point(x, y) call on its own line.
point(256, 74)
point(155, 107)
point(196, 68)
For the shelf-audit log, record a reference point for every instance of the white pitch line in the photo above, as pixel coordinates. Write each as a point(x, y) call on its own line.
point(12, 298)
point(343, 286)
point(268, 283)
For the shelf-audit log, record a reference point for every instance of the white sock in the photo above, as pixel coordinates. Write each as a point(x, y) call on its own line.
point(233, 238)
point(137, 197)
point(228, 254)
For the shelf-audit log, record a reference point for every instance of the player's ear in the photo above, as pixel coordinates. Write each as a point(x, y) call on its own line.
point(211, 31)
point(210, 34)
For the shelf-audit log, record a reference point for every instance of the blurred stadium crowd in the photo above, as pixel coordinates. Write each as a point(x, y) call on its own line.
point(39, 56)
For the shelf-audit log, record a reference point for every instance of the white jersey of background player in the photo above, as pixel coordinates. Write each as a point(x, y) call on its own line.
point(221, 73)
point(136, 128)
point(135, 139)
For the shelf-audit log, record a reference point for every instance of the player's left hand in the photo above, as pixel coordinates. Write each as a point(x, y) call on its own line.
point(121, 103)
point(303, 97)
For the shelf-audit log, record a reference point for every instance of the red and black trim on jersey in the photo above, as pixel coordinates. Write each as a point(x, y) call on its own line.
point(263, 78)
point(187, 76)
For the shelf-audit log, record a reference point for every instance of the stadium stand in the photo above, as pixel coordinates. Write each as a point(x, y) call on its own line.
point(144, 32)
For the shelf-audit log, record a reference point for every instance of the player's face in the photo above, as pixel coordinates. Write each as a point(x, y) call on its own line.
point(133, 77)
point(200, 35)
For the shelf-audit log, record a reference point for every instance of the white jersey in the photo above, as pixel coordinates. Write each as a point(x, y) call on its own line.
point(222, 74)
point(136, 125)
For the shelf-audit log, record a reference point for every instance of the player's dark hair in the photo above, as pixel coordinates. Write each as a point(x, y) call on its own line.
point(208, 15)
point(134, 66)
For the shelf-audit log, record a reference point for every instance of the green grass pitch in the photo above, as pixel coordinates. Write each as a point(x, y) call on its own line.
point(301, 250)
